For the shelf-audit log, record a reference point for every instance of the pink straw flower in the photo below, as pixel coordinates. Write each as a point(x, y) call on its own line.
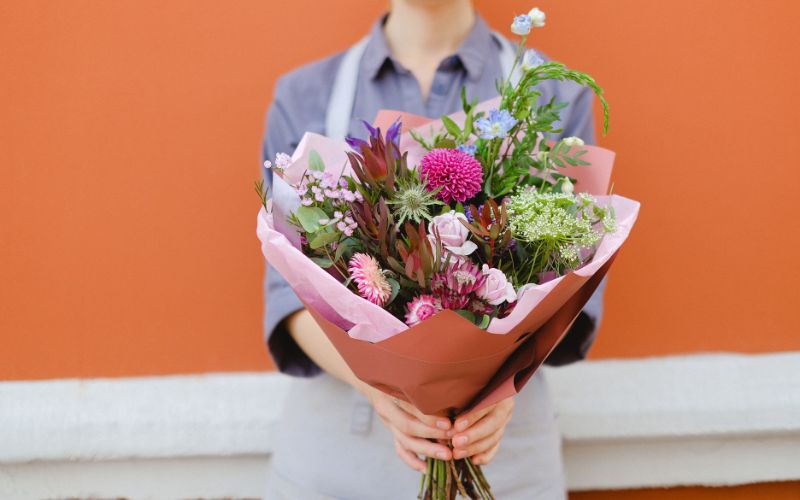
point(422, 308)
point(369, 277)
point(458, 174)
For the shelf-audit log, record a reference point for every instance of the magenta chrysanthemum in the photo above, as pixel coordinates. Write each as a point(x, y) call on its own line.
point(458, 174)
point(455, 286)
point(422, 308)
point(369, 277)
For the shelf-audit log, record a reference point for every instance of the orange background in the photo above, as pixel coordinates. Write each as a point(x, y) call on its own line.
point(130, 139)
point(130, 136)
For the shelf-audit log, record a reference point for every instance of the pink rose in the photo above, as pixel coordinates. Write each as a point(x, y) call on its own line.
point(452, 233)
point(495, 288)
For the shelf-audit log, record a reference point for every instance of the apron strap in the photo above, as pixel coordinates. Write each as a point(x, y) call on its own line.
point(343, 94)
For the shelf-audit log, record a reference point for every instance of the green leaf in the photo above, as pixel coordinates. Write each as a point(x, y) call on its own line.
point(344, 246)
point(451, 127)
point(395, 289)
point(467, 315)
point(323, 262)
point(323, 238)
point(445, 143)
point(468, 126)
point(315, 161)
point(485, 322)
point(309, 217)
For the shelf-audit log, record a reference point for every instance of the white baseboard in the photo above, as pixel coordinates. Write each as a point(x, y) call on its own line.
point(717, 419)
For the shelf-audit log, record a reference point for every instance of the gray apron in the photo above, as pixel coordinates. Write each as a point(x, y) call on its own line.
point(330, 445)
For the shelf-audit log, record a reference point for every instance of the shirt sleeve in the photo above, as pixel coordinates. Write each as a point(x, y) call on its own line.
point(280, 300)
point(579, 122)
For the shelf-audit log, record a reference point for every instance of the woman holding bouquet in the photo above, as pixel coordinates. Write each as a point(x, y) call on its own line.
point(329, 443)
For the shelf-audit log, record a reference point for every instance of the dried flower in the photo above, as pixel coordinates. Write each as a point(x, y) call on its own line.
point(421, 308)
point(456, 175)
point(370, 279)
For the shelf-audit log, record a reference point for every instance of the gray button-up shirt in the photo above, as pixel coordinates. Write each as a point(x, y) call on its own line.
point(300, 104)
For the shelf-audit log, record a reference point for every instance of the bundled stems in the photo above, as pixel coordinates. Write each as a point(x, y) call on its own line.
point(445, 479)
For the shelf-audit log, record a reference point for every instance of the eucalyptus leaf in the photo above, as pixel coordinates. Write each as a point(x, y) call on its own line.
point(323, 238)
point(323, 262)
point(315, 161)
point(309, 217)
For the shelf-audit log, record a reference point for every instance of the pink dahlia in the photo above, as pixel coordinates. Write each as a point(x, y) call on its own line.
point(456, 285)
point(458, 174)
point(368, 275)
point(422, 308)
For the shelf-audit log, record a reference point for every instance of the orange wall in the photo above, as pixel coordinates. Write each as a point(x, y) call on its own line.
point(768, 491)
point(129, 141)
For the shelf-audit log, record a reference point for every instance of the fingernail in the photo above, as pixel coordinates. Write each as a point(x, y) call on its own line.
point(461, 441)
point(441, 454)
point(443, 424)
point(462, 424)
point(450, 433)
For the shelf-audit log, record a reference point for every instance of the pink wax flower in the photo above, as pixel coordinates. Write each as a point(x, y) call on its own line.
point(422, 308)
point(495, 288)
point(458, 174)
point(369, 277)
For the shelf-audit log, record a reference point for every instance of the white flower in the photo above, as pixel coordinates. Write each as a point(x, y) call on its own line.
point(566, 185)
point(572, 141)
point(542, 156)
point(495, 288)
point(452, 233)
point(537, 17)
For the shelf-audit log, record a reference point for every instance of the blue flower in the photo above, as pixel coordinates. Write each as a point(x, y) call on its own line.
point(497, 124)
point(470, 149)
point(530, 60)
point(522, 25)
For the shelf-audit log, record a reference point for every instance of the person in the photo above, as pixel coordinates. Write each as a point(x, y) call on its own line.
point(337, 437)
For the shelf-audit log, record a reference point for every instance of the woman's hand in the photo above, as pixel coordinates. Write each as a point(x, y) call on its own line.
point(478, 434)
point(412, 429)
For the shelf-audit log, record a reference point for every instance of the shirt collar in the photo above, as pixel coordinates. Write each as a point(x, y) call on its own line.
point(473, 52)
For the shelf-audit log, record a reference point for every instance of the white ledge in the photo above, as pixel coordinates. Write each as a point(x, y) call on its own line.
point(700, 419)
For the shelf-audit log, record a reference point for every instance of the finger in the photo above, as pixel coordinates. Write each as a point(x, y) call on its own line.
point(464, 421)
point(409, 424)
point(487, 456)
point(429, 420)
point(485, 427)
point(481, 446)
point(409, 458)
point(422, 446)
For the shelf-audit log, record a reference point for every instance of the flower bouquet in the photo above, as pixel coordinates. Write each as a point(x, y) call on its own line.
point(446, 262)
